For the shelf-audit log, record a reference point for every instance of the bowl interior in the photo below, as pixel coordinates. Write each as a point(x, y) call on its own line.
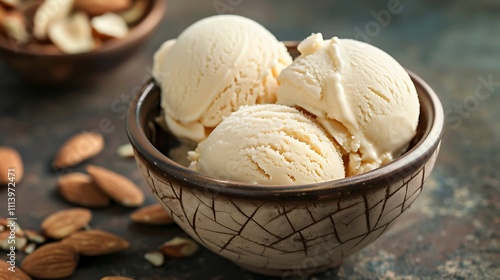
point(153, 144)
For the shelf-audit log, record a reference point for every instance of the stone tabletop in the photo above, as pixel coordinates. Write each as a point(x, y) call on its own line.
point(452, 231)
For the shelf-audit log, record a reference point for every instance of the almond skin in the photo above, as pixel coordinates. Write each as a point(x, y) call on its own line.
point(10, 159)
point(96, 242)
point(78, 148)
point(54, 260)
point(6, 274)
point(80, 189)
point(65, 222)
point(99, 7)
point(153, 215)
point(118, 187)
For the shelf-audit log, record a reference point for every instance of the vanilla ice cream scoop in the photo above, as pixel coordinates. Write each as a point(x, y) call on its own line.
point(361, 95)
point(215, 66)
point(268, 144)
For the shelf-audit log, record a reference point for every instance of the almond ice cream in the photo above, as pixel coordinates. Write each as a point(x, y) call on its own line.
point(215, 66)
point(268, 144)
point(361, 95)
point(342, 108)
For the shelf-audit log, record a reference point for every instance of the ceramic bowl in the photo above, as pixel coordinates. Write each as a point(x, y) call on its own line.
point(284, 230)
point(47, 66)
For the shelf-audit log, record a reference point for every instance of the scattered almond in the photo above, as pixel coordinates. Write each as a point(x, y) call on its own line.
point(8, 272)
point(15, 27)
point(109, 26)
point(7, 241)
point(99, 7)
point(78, 148)
point(34, 236)
point(30, 248)
point(80, 189)
point(125, 151)
point(156, 258)
point(65, 222)
point(10, 159)
point(135, 13)
point(6, 224)
point(54, 260)
point(50, 11)
point(153, 215)
point(73, 34)
point(179, 247)
point(10, 3)
point(96, 242)
point(116, 278)
point(119, 188)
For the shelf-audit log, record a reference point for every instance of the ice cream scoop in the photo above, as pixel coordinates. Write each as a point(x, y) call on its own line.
point(269, 144)
point(361, 95)
point(215, 66)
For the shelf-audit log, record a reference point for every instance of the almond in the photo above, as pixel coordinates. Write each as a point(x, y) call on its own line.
point(125, 151)
point(14, 25)
point(65, 222)
point(30, 248)
point(80, 189)
point(49, 12)
point(73, 34)
point(156, 258)
point(116, 278)
point(6, 272)
point(34, 236)
point(6, 224)
point(10, 3)
point(179, 247)
point(96, 242)
point(54, 260)
point(11, 166)
point(7, 241)
point(99, 7)
point(78, 148)
point(153, 215)
point(135, 13)
point(119, 188)
point(109, 26)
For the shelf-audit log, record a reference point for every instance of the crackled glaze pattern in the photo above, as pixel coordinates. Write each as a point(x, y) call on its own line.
point(283, 235)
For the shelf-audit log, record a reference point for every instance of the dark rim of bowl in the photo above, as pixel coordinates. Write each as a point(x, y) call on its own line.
point(147, 24)
point(405, 164)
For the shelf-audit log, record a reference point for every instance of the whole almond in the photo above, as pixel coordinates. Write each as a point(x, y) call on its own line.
point(54, 260)
point(8, 272)
point(11, 166)
point(99, 7)
point(65, 222)
point(96, 242)
point(116, 278)
point(179, 247)
point(80, 189)
point(153, 215)
point(118, 187)
point(78, 148)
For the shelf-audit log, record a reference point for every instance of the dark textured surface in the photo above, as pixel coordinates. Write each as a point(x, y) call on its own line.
point(451, 231)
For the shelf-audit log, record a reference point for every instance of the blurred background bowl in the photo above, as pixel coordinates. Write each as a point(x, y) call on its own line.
point(46, 66)
point(284, 230)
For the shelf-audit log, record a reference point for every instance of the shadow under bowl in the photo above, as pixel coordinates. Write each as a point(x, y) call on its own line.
point(47, 66)
point(284, 230)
